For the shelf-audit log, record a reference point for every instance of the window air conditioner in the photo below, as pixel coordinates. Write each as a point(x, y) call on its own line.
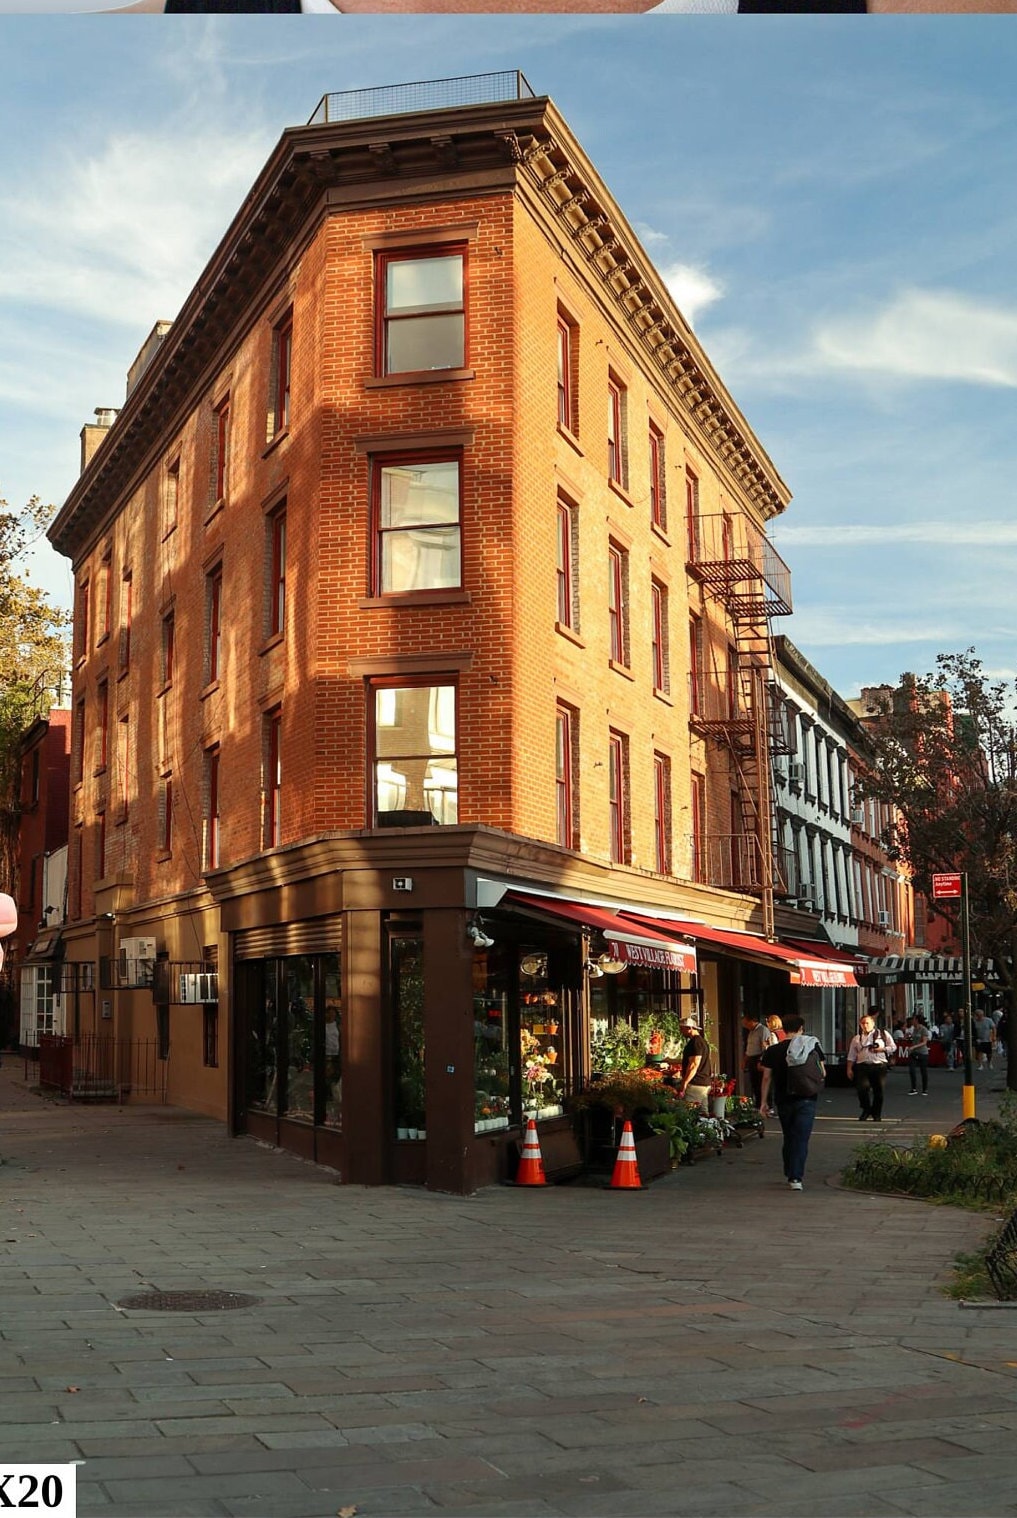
point(883, 918)
point(807, 903)
point(858, 814)
point(137, 961)
point(795, 772)
point(203, 987)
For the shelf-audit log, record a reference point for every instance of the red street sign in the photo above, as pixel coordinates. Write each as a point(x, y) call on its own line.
point(945, 885)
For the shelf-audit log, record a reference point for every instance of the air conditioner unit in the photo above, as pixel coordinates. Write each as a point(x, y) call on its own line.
point(796, 772)
point(137, 961)
point(883, 918)
point(807, 903)
point(858, 814)
point(202, 987)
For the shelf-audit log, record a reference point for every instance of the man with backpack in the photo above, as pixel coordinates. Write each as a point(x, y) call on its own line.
point(796, 1073)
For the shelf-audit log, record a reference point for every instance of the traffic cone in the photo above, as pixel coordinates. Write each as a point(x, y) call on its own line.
point(531, 1165)
point(626, 1166)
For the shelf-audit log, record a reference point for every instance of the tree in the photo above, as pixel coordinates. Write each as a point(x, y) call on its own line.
point(945, 758)
point(33, 662)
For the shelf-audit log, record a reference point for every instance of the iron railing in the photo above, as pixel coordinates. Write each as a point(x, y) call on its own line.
point(737, 561)
point(423, 95)
point(1001, 1261)
point(98, 1067)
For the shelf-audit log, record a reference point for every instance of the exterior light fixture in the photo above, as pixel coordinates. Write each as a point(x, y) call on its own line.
point(608, 965)
point(593, 969)
point(476, 934)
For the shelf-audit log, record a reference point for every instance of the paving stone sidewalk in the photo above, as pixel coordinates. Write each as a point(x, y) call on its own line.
point(712, 1345)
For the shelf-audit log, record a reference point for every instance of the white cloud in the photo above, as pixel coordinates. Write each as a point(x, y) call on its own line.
point(693, 289)
point(836, 627)
point(957, 534)
point(926, 334)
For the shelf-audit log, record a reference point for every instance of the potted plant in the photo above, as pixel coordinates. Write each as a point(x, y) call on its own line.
point(721, 1087)
point(617, 1047)
point(678, 1123)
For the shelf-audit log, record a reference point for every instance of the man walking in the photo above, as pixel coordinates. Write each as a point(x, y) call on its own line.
point(797, 1114)
point(697, 1069)
point(758, 1038)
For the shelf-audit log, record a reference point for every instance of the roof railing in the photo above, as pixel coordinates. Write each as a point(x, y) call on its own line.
point(422, 95)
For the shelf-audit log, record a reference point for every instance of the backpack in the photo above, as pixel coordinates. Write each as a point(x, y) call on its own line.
point(806, 1079)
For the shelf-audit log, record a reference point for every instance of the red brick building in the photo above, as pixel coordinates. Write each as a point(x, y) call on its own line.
point(422, 574)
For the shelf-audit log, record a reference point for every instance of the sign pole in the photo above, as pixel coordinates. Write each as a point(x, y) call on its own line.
point(969, 1084)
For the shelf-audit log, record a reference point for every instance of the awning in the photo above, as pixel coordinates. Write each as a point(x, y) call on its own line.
point(642, 945)
point(908, 969)
point(812, 966)
point(46, 946)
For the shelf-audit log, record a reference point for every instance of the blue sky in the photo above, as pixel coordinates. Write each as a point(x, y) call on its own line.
point(832, 201)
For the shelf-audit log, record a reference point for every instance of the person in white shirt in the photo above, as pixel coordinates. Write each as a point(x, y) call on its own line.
point(868, 1060)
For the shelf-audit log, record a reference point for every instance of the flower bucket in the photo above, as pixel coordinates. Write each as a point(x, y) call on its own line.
point(718, 1105)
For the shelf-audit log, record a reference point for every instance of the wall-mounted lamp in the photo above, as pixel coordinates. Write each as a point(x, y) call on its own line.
point(610, 966)
point(593, 970)
point(475, 933)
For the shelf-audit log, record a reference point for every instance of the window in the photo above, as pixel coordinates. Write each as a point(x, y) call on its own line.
point(567, 355)
point(126, 614)
point(416, 511)
point(273, 778)
point(616, 408)
point(414, 753)
point(566, 580)
point(565, 759)
point(213, 605)
point(699, 828)
point(658, 499)
point(618, 797)
point(103, 746)
point(695, 666)
point(617, 603)
point(659, 648)
point(168, 647)
point(210, 1034)
point(35, 781)
point(123, 764)
point(106, 597)
point(732, 682)
point(221, 461)
point(662, 813)
point(422, 320)
point(166, 815)
point(212, 809)
point(81, 619)
point(282, 363)
point(79, 740)
point(277, 572)
point(100, 845)
point(692, 524)
point(170, 497)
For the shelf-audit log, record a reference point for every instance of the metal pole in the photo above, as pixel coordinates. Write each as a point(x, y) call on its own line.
point(969, 1084)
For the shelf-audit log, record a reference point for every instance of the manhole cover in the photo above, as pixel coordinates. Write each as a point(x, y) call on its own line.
point(188, 1301)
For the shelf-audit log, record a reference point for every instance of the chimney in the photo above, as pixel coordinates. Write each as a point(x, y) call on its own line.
point(92, 433)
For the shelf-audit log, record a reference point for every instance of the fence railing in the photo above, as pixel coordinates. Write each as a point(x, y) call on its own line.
point(96, 1067)
point(422, 95)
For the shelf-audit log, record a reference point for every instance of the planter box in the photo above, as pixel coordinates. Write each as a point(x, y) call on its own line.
point(704, 1152)
point(653, 1156)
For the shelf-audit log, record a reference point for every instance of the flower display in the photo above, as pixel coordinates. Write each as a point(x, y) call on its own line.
point(722, 1085)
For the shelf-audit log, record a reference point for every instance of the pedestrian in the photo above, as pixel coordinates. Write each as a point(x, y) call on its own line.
point(947, 1036)
point(758, 1038)
point(797, 1114)
point(916, 1034)
point(868, 1060)
point(1002, 1025)
point(984, 1033)
point(776, 1027)
point(697, 1067)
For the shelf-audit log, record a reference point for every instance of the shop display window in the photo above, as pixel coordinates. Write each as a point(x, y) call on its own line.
point(634, 1019)
point(542, 1069)
point(406, 979)
point(294, 1044)
point(492, 1103)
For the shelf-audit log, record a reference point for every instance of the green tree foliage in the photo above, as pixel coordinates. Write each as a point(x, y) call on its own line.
point(33, 660)
point(945, 756)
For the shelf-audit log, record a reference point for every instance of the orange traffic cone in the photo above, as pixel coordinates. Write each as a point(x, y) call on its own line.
point(626, 1167)
point(531, 1165)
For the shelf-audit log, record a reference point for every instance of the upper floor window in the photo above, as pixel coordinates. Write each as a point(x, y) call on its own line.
point(422, 311)
point(414, 758)
point(564, 573)
point(273, 778)
point(659, 646)
point(213, 604)
point(417, 531)
point(212, 809)
point(166, 816)
point(282, 362)
point(170, 497)
point(616, 431)
point(617, 603)
point(277, 572)
point(568, 404)
point(564, 772)
point(126, 617)
point(618, 797)
point(695, 665)
point(81, 617)
point(698, 840)
point(221, 462)
point(658, 499)
point(168, 647)
point(662, 813)
point(106, 596)
point(692, 523)
point(102, 750)
point(79, 740)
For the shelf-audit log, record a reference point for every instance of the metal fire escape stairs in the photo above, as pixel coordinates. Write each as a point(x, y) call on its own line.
point(739, 567)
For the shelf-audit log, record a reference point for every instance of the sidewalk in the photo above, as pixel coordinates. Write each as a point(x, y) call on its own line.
point(712, 1345)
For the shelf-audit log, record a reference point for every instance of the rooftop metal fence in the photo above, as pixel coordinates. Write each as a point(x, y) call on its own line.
point(423, 95)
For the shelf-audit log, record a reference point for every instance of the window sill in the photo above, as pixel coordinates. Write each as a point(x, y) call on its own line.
point(419, 377)
point(663, 695)
point(220, 505)
point(417, 598)
point(661, 533)
point(123, 673)
point(162, 856)
point(272, 642)
point(621, 669)
point(100, 769)
point(101, 639)
point(170, 530)
point(209, 690)
point(275, 441)
point(570, 634)
point(620, 491)
point(568, 436)
point(164, 690)
point(120, 816)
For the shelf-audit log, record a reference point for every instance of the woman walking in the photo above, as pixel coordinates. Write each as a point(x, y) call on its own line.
point(917, 1035)
point(868, 1060)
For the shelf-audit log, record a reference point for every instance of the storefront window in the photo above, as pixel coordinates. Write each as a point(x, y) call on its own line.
point(332, 1085)
point(634, 1018)
point(540, 1037)
point(298, 1091)
point(262, 1058)
point(492, 1105)
point(294, 1057)
point(407, 986)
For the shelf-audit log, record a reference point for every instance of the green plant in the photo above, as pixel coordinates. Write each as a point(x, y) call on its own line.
point(617, 1047)
point(742, 1109)
point(672, 1124)
point(978, 1170)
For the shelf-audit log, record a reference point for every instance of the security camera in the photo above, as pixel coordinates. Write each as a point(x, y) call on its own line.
point(478, 937)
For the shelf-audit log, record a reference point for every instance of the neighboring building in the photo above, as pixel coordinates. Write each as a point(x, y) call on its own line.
point(835, 864)
point(421, 631)
point(35, 950)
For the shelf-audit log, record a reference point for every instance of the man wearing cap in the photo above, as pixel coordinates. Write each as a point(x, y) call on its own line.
point(697, 1070)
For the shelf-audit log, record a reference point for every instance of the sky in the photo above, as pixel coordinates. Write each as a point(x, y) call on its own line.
point(830, 199)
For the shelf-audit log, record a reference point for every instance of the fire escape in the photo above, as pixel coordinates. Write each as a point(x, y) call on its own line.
point(739, 705)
